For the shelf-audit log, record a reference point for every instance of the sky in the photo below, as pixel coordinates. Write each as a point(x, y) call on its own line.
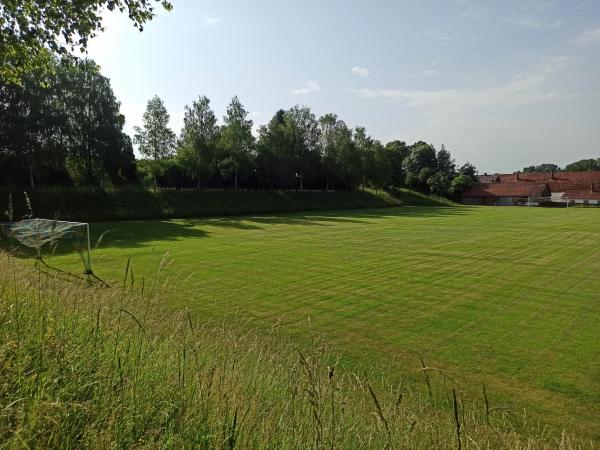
point(502, 84)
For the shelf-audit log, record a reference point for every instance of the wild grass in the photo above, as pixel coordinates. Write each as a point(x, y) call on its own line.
point(89, 367)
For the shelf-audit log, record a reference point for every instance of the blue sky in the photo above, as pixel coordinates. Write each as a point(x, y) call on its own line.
point(502, 84)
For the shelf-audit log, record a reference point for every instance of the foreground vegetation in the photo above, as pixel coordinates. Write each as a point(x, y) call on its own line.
point(505, 296)
point(89, 367)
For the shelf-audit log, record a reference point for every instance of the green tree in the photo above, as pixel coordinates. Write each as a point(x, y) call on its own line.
point(96, 135)
point(469, 170)
point(546, 167)
point(304, 131)
point(155, 139)
point(398, 151)
point(419, 165)
point(197, 147)
point(363, 146)
point(583, 165)
point(236, 142)
point(439, 182)
point(33, 31)
point(460, 183)
point(381, 173)
point(72, 123)
point(337, 150)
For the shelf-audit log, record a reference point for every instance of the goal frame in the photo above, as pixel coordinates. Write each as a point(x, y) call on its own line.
point(87, 260)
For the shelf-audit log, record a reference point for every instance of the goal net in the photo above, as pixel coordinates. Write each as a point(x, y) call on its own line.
point(35, 233)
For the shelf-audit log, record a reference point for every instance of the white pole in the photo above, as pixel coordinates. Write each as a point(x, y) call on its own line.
point(89, 268)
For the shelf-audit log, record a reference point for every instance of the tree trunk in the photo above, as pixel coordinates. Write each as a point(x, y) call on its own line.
point(236, 179)
point(31, 181)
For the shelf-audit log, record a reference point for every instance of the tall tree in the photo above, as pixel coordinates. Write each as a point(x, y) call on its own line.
point(304, 129)
point(363, 143)
point(33, 31)
point(439, 182)
point(96, 135)
point(48, 133)
point(236, 142)
point(468, 170)
point(335, 140)
point(196, 150)
point(398, 151)
point(381, 174)
point(419, 165)
point(155, 139)
point(274, 153)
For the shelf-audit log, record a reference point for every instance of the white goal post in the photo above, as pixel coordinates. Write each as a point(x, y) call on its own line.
point(35, 233)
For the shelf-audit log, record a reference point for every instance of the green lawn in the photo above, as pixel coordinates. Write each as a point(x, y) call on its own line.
point(509, 296)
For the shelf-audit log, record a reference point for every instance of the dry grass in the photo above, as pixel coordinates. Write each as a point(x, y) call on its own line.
point(88, 367)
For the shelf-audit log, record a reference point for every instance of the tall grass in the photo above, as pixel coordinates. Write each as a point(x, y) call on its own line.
point(89, 367)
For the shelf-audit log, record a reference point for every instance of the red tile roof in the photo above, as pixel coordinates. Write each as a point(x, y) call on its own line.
point(510, 189)
point(560, 179)
point(575, 185)
point(581, 195)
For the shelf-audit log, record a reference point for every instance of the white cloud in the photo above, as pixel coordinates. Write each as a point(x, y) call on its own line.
point(207, 20)
point(534, 22)
point(534, 15)
point(528, 88)
point(431, 73)
point(589, 37)
point(474, 13)
point(360, 71)
point(309, 86)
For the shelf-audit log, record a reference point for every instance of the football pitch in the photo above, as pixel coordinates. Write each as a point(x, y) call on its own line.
point(509, 297)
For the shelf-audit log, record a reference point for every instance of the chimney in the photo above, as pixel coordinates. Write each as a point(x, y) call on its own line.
point(517, 175)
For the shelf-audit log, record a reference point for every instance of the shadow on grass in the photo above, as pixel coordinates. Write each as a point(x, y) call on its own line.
point(126, 234)
point(131, 234)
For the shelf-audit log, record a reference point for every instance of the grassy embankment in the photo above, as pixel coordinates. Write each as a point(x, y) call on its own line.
point(94, 204)
point(82, 367)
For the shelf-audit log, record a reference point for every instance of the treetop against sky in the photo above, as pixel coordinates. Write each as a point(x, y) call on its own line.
point(501, 84)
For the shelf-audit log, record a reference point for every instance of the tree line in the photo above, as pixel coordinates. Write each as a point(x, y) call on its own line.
point(69, 130)
point(294, 150)
point(577, 166)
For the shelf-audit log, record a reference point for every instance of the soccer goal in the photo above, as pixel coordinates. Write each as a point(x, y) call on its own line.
point(36, 233)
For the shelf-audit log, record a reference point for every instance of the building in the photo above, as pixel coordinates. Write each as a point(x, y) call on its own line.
point(534, 188)
point(505, 194)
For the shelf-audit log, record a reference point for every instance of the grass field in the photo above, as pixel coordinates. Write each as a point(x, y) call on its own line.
point(505, 296)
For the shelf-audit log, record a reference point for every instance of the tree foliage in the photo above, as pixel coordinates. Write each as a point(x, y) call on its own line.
point(577, 166)
point(236, 143)
point(546, 167)
point(419, 165)
point(33, 31)
point(197, 146)
point(583, 165)
point(69, 129)
point(460, 184)
point(155, 139)
point(72, 129)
